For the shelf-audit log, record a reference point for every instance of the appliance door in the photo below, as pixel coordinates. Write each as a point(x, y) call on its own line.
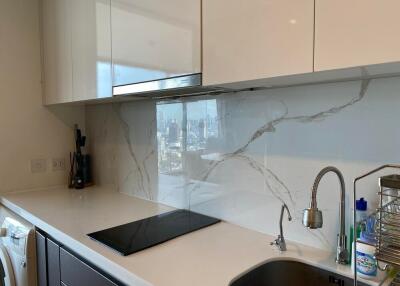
point(155, 40)
point(6, 271)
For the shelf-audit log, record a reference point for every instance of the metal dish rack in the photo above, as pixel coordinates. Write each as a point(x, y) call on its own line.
point(388, 227)
point(388, 220)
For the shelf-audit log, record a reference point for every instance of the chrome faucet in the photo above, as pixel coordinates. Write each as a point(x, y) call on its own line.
point(280, 241)
point(312, 217)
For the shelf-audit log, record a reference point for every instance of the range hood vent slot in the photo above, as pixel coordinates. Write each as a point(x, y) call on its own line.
point(185, 85)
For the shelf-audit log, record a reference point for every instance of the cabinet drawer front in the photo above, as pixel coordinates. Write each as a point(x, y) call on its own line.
point(41, 259)
point(53, 263)
point(75, 272)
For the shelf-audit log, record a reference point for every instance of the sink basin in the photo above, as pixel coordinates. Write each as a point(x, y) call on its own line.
point(291, 273)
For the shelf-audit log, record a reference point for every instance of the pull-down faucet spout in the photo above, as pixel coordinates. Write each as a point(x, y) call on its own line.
point(312, 217)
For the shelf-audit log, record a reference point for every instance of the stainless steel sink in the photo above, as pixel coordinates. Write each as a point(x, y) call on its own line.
point(291, 273)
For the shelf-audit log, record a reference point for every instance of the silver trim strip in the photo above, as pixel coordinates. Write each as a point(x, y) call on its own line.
point(152, 87)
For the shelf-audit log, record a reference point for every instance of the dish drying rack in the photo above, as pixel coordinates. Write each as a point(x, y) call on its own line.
point(388, 222)
point(387, 228)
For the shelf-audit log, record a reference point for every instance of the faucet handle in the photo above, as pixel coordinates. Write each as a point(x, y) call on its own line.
point(274, 242)
point(280, 243)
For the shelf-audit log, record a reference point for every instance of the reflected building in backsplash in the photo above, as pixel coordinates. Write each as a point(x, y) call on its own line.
point(185, 132)
point(240, 156)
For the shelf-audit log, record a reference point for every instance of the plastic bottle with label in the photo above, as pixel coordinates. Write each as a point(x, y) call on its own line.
point(367, 266)
point(361, 216)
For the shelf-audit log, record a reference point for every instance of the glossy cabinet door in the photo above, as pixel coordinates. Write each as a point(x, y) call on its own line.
point(76, 36)
point(247, 40)
point(57, 51)
point(356, 33)
point(91, 49)
point(153, 39)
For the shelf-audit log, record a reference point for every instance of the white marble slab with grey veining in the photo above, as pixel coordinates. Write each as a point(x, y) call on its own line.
point(240, 156)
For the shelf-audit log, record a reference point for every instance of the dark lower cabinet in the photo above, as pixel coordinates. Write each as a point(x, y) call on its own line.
point(41, 257)
point(53, 263)
point(75, 272)
point(58, 266)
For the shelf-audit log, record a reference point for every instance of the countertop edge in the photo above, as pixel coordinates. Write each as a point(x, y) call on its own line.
point(94, 257)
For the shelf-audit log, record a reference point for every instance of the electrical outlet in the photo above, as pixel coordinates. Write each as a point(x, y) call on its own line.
point(38, 165)
point(58, 164)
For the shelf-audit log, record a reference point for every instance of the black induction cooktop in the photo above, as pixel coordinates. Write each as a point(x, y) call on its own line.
point(139, 235)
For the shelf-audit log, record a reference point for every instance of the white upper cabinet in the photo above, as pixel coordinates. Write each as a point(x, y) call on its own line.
point(247, 40)
point(356, 33)
point(57, 51)
point(91, 46)
point(153, 39)
point(76, 50)
point(91, 49)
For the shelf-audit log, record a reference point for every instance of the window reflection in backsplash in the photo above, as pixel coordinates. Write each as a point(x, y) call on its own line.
point(184, 131)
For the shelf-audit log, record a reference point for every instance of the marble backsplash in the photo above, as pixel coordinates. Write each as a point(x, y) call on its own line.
point(240, 156)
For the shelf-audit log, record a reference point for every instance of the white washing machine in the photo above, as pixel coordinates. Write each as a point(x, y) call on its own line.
point(17, 250)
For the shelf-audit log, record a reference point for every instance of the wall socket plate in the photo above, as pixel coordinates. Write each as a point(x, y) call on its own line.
point(38, 165)
point(58, 164)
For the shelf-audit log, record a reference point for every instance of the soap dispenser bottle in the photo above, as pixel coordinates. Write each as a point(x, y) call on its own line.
point(361, 215)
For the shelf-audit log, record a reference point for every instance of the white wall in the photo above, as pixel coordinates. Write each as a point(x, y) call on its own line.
point(27, 129)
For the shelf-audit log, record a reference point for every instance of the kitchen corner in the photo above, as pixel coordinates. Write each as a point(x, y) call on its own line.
point(210, 256)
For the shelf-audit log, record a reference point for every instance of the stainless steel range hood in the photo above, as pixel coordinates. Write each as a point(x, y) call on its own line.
point(179, 86)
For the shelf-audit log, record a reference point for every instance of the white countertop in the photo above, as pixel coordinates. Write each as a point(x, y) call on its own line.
point(211, 256)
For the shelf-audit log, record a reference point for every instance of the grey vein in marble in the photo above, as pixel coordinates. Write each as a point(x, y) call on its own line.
point(150, 152)
point(126, 132)
point(271, 127)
